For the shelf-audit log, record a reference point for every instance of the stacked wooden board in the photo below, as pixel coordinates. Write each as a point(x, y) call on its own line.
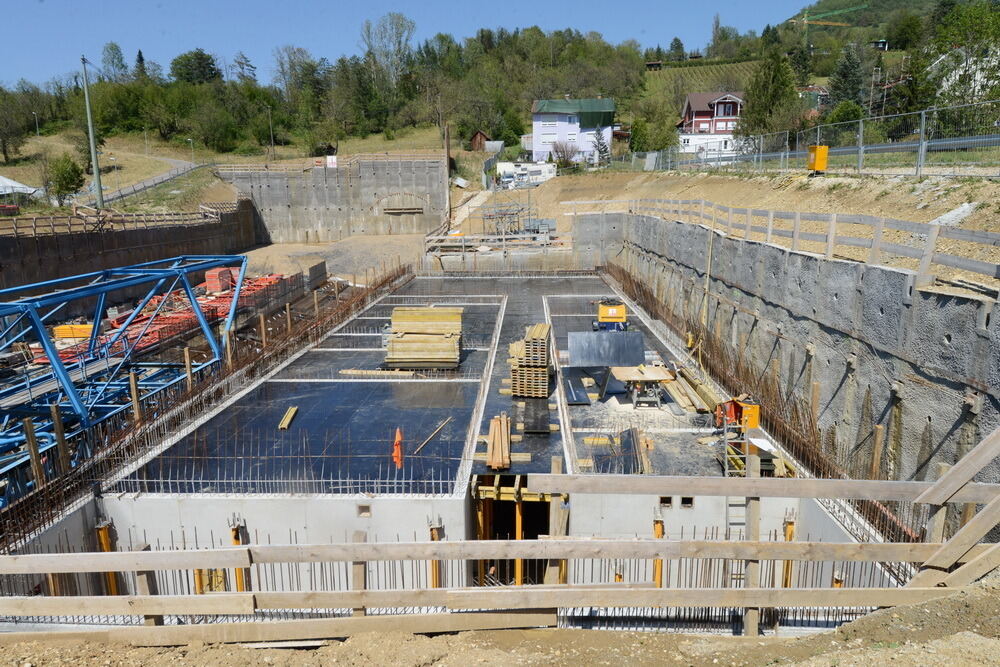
point(498, 443)
point(425, 338)
point(529, 363)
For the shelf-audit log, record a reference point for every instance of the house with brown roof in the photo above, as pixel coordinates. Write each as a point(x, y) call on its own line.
point(708, 120)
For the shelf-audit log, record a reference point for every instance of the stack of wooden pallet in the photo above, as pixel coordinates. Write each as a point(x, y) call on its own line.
point(425, 338)
point(529, 363)
point(498, 443)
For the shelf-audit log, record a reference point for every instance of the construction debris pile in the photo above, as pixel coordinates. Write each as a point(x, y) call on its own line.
point(529, 363)
point(425, 338)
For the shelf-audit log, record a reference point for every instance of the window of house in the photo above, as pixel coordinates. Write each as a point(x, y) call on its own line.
point(725, 144)
point(687, 502)
point(703, 127)
point(571, 120)
point(686, 141)
point(548, 123)
point(666, 501)
point(548, 137)
point(571, 136)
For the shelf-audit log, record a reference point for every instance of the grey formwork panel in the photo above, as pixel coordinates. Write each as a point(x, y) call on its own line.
point(606, 348)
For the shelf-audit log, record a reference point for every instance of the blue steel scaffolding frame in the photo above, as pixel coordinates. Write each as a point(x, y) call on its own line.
point(95, 386)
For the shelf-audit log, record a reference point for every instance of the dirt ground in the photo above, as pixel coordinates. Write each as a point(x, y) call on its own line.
point(891, 196)
point(343, 258)
point(963, 629)
point(967, 203)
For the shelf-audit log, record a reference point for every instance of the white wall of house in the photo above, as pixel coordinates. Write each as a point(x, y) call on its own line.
point(549, 128)
point(709, 145)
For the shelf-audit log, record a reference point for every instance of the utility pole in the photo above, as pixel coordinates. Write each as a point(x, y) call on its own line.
point(90, 133)
point(35, 114)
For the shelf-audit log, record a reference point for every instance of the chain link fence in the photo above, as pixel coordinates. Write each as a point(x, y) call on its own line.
point(948, 141)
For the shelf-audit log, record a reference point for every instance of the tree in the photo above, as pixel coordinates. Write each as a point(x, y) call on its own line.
point(387, 42)
point(601, 147)
point(246, 72)
point(113, 63)
point(13, 124)
point(195, 67)
point(564, 152)
point(974, 75)
point(769, 37)
point(676, 52)
point(67, 177)
point(139, 72)
point(919, 87)
point(846, 112)
point(847, 81)
point(771, 100)
point(905, 30)
point(801, 63)
point(638, 140)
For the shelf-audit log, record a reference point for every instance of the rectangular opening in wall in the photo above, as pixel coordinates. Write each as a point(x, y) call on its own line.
point(666, 501)
point(687, 502)
point(365, 511)
point(404, 210)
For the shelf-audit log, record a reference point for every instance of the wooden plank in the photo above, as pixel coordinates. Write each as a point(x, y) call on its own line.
point(125, 561)
point(593, 548)
point(145, 584)
point(961, 473)
point(294, 630)
point(150, 605)
point(979, 566)
point(359, 572)
point(531, 597)
point(765, 487)
point(966, 537)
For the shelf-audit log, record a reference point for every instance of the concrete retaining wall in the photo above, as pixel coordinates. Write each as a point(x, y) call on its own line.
point(319, 205)
point(28, 259)
point(923, 363)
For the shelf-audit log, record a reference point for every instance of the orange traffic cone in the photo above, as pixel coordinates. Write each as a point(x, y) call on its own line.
point(397, 448)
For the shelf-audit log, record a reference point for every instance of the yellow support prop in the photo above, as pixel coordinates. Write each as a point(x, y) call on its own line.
point(286, 421)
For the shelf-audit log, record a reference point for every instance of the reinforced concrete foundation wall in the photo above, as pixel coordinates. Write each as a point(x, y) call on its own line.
point(858, 342)
point(376, 196)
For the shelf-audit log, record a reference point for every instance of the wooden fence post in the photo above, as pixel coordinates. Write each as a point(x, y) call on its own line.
point(145, 584)
point(751, 616)
point(188, 369)
point(359, 571)
point(133, 387)
point(37, 471)
point(62, 450)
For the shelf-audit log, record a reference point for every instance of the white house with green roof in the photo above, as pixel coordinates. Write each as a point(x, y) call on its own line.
point(573, 122)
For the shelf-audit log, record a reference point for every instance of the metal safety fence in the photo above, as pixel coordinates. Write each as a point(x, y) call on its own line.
point(961, 140)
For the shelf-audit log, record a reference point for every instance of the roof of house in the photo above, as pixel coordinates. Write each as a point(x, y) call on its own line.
point(482, 133)
point(593, 112)
point(703, 101)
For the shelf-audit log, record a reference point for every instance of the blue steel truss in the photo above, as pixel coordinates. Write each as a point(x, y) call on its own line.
point(94, 386)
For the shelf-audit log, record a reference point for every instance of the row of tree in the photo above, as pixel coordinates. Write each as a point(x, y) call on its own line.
point(486, 82)
point(953, 59)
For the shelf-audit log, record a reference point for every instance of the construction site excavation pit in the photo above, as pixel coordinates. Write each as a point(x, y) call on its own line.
point(333, 448)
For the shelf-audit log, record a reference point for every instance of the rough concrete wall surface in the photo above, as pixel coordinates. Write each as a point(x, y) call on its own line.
point(319, 205)
point(28, 259)
point(922, 363)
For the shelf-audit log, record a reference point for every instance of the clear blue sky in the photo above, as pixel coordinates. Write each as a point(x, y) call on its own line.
point(45, 38)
